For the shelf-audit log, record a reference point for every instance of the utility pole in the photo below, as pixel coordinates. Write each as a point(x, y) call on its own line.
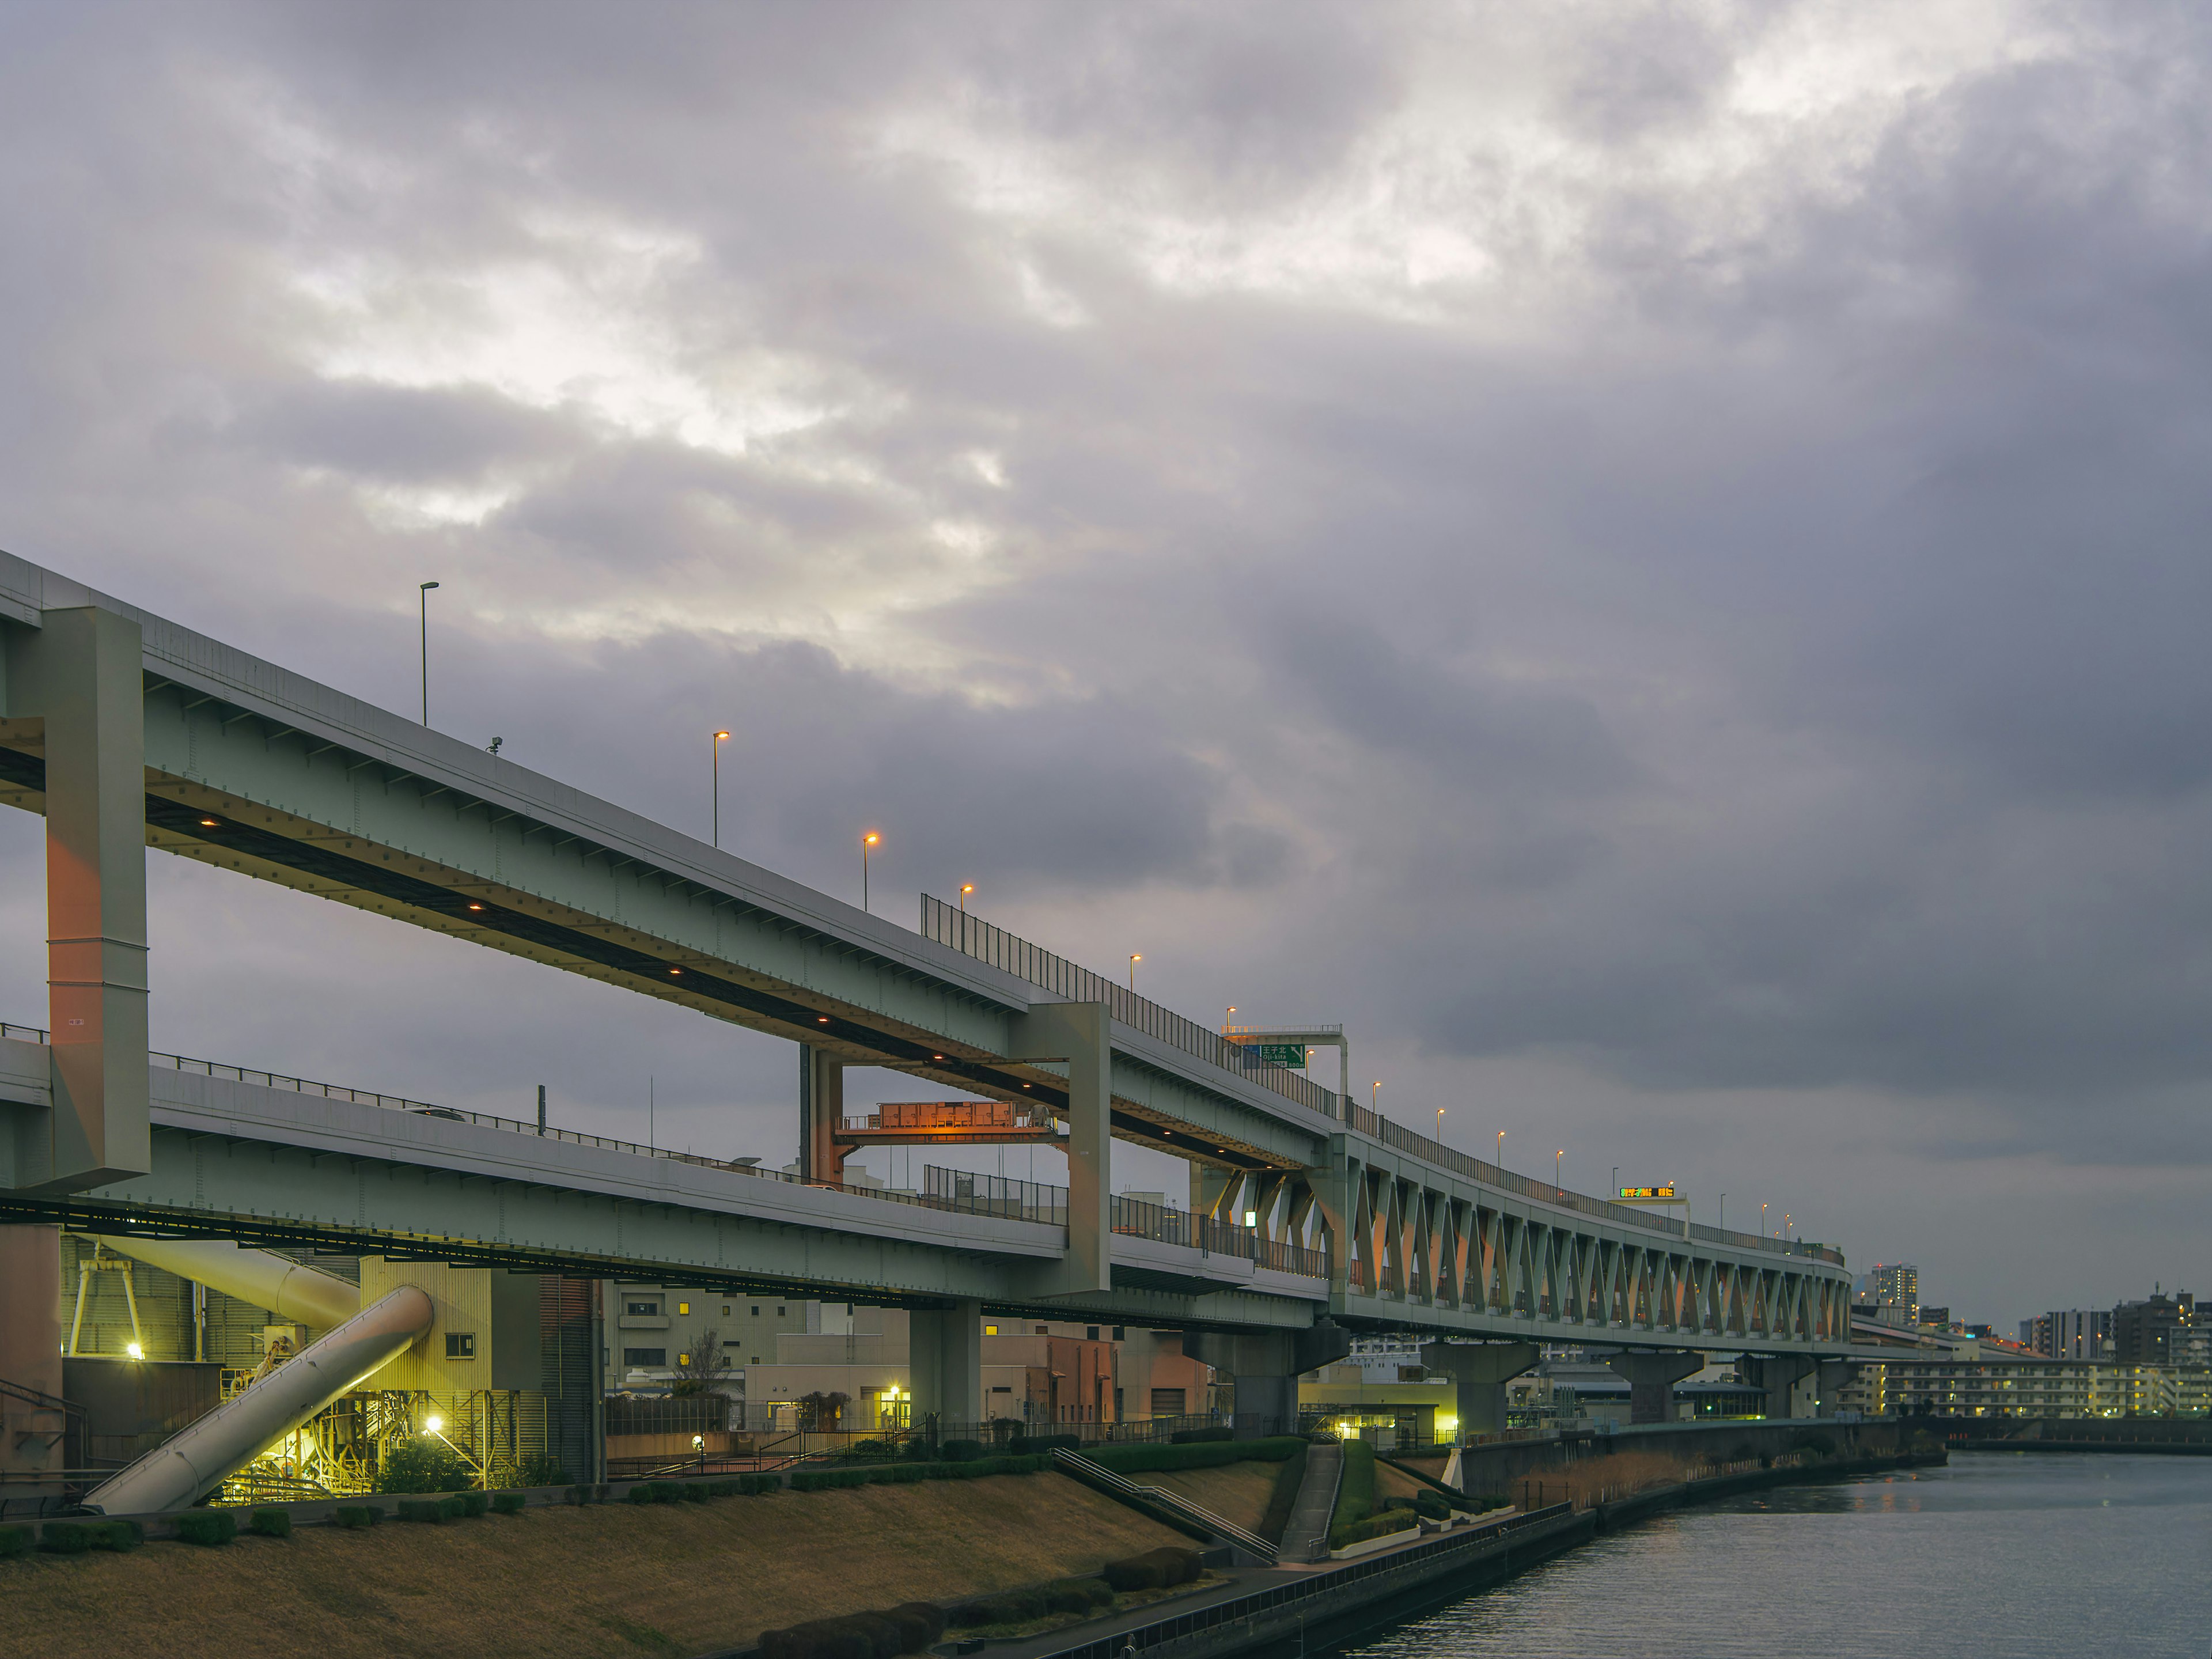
point(422, 594)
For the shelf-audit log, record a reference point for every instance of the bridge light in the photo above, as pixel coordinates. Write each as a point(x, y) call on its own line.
point(207, 824)
point(476, 907)
point(823, 1020)
point(134, 1350)
point(432, 1424)
point(675, 971)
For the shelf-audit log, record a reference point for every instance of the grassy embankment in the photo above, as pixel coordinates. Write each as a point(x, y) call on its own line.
point(568, 1583)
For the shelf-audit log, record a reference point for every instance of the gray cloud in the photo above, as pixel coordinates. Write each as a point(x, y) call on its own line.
point(1649, 563)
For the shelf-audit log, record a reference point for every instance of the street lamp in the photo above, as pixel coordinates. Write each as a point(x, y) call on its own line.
point(1616, 1180)
point(422, 597)
point(1440, 1126)
point(1227, 1015)
point(717, 747)
point(1723, 1221)
point(966, 888)
point(1135, 957)
point(1556, 1156)
point(867, 845)
point(1375, 1096)
point(1762, 1221)
point(1501, 1149)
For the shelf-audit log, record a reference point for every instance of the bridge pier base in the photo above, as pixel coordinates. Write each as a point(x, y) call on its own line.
point(821, 1113)
point(1780, 1376)
point(1651, 1377)
point(944, 1365)
point(31, 1354)
point(1266, 1366)
point(1835, 1375)
point(1480, 1372)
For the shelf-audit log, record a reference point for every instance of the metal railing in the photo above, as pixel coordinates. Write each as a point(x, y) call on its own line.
point(1352, 1116)
point(972, 936)
point(1138, 1219)
point(1120, 1486)
point(922, 1116)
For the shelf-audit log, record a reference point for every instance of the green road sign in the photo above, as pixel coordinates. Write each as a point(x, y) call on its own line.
point(1283, 1054)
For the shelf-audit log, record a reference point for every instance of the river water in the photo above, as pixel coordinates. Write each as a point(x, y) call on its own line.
point(2001, 1554)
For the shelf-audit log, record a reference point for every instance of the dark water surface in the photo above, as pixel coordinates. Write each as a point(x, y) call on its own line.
point(2001, 1553)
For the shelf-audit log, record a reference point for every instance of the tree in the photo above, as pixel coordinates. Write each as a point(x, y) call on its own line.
point(700, 1365)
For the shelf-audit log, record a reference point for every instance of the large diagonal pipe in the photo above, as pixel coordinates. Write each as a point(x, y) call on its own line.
point(188, 1466)
point(262, 1279)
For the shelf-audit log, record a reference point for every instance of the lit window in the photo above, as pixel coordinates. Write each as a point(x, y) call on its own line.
point(990, 1330)
point(461, 1345)
point(683, 1358)
point(683, 1307)
point(725, 1310)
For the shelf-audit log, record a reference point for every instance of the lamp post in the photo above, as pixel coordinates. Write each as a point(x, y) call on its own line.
point(1616, 1180)
point(422, 597)
point(1724, 1220)
point(1501, 1149)
point(1556, 1156)
point(1135, 957)
point(966, 888)
point(717, 747)
point(1762, 1221)
point(867, 846)
point(1375, 1096)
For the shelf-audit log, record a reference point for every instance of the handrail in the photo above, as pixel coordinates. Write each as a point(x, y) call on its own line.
point(1097, 1473)
point(972, 936)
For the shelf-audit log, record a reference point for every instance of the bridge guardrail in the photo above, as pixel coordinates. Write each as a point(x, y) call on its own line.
point(972, 936)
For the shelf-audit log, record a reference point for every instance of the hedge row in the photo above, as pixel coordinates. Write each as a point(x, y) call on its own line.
point(885, 1474)
point(1376, 1526)
point(1154, 1570)
point(1077, 1596)
point(909, 1628)
point(1355, 1489)
point(698, 1491)
point(73, 1537)
point(1194, 1454)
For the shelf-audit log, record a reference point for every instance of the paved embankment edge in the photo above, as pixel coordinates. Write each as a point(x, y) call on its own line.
point(1326, 1609)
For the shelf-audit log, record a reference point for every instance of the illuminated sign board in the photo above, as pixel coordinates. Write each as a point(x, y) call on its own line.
point(1668, 1191)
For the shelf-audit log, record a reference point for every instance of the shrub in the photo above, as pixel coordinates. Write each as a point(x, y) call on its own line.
point(67, 1537)
point(209, 1526)
point(827, 1479)
point(424, 1464)
point(539, 1470)
point(431, 1511)
point(272, 1520)
point(1078, 1595)
point(693, 1491)
point(960, 1452)
point(1357, 1531)
point(507, 1502)
point(1199, 1437)
point(357, 1516)
point(121, 1536)
point(929, 1616)
point(454, 1506)
point(579, 1496)
point(1355, 1492)
point(15, 1542)
point(759, 1485)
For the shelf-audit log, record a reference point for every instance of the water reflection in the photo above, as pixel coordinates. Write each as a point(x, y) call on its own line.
point(2001, 1553)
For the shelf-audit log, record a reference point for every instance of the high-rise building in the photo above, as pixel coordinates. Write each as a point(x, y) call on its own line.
point(2141, 1331)
point(1896, 1286)
point(2068, 1333)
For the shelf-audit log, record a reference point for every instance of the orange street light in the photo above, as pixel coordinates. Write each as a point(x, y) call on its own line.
point(1135, 957)
point(868, 844)
point(717, 747)
point(966, 888)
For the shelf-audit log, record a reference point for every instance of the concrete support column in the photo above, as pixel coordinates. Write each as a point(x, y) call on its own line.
point(80, 675)
point(821, 1109)
point(1480, 1372)
point(1267, 1366)
point(1081, 1033)
point(1782, 1376)
point(31, 1348)
point(1651, 1377)
point(944, 1365)
point(1833, 1377)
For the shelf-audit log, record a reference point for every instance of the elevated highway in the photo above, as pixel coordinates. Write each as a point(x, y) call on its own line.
point(127, 730)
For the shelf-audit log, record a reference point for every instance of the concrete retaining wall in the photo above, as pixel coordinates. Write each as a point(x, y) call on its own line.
point(1497, 1470)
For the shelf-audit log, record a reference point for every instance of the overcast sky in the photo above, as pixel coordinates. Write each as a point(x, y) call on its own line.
point(1650, 561)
